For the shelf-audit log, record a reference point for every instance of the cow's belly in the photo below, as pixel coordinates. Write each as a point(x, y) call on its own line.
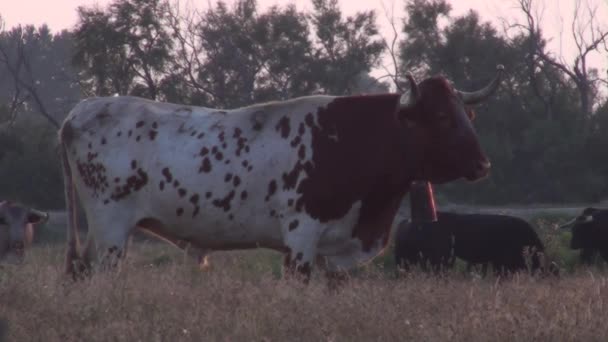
point(214, 229)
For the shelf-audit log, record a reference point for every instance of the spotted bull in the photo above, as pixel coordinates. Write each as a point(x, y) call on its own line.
point(17, 229)
point(312, 176)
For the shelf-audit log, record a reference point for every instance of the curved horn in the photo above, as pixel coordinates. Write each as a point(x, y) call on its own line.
point(568, 224)
point(410, 98)
point(43, 216)
point(482, 94)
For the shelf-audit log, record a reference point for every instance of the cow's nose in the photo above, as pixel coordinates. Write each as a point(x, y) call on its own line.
point(484, 165)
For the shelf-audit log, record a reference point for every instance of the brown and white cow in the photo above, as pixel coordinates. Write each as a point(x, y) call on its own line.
point(17, 230)
point(312, 176)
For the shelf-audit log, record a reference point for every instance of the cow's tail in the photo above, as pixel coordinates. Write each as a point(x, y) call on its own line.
point(72, 256)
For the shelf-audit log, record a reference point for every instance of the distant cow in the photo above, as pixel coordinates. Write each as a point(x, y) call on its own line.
point(311, 176)
point(590, 233)
point(17, 230)
point(498, 240)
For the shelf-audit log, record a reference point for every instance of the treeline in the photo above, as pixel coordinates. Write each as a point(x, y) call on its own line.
point(543, 130)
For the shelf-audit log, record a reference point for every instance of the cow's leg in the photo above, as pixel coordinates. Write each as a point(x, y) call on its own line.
point(110, 231)
point(301, 241)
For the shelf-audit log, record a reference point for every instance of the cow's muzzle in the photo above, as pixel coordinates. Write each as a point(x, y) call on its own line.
point(480, 170)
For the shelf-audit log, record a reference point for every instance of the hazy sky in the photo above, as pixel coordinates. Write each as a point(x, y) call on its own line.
point(60, 14)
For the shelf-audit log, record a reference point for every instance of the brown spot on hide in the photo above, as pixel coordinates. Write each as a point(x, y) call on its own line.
point(236, 181)
point(175, 183)
point(290, 179)
point(224, 145)
point(231, 217)
point(194, 199)
point(240, 145)
point(138, 138)
point(283, 127)
point(302, 152)
point(119, 133)
point(103, 140)
point(133, 164)
point(179, 211)
point(245, 163)
point(139, 124)
point(93, 174)
point(228, 177)
point(133, 184)
point(214, 150)
point(224, 203)
point(296, 141)
point(219, 156)
point(167, 174)
point(90, 146)
point(161, 185)
point(290, 202)
point(154, 125)
point(181, 192)
point(152, 134)
point(117, 179)
point(193, 133)
point(200, 135)
point(301, 129)
point(205, 166)
point(272, 188)
point(221, 136)
point(208, 194)
point(243, 195)
point(203, 151)
point(273, 213)
point(106, 201)
point(196, 210)
point(129, 133)
point(237, 132)
point(293, 225)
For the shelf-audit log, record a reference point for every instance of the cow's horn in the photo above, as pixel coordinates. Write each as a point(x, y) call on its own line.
point(568, 224)
point(482, 94)
point(43, 216)
point(410, 98)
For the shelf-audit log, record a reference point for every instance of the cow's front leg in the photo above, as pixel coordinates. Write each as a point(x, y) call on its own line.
point(301, 243)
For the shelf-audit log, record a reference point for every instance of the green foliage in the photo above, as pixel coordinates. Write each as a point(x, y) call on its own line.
point(29, 168)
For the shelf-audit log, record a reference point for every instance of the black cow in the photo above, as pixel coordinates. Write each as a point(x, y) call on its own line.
point(590, 233)
point(498, 240)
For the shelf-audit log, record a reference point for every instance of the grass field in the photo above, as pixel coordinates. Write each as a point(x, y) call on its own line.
point(158, 295)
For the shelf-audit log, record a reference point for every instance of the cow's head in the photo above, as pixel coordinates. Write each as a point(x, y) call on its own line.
point(435, 114)
point(16, 229)
point(585, 227)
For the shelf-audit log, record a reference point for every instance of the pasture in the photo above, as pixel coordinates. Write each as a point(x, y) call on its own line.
point(159, 295)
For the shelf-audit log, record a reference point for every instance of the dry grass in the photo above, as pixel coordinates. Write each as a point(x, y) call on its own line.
point(242, 299)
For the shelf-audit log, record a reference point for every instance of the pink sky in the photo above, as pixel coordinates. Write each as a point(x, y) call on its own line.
point(60, 14)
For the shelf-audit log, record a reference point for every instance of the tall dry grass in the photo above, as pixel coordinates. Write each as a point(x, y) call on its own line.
point(164, 298)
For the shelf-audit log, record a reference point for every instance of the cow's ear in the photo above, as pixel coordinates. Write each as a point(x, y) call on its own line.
point(35, 216)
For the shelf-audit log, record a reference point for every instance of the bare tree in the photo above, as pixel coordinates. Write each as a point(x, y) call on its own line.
point(589, 35)
point(16, 61)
